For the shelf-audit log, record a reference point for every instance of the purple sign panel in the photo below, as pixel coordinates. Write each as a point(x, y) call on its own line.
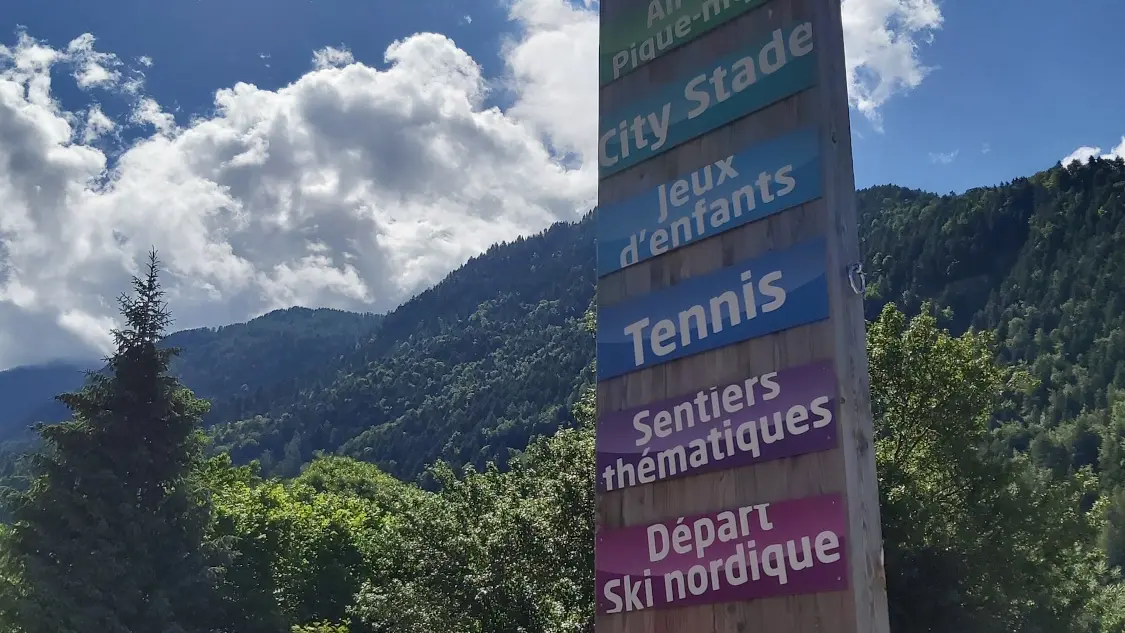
point(761, 418)
point(755, 551)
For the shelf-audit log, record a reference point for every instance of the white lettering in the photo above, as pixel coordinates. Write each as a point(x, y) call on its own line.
point(826, 545)
point(701, 98)
point(708, 216)
point(603, 149)
point(634, 330)
point(823, 415)
point(707, 89)
point(656, 553)
point(642, 131)
point(642, 427)
point(702, 91)
point(712, 8)
point(655, 12)
point(620, 58)
point(746, 563)
point(660, 125)
point(609, 591)
point(726, 436)
point(662, 424)
point(693, 323)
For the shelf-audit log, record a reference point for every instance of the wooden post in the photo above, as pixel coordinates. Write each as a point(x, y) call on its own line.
point(733, 393)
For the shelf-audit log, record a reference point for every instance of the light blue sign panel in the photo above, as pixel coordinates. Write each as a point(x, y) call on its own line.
point(736, 85)
point(752, 298)
point(757, 182)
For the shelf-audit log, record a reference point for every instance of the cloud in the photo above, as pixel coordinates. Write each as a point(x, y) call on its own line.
point(553, 68)
point(882, 38)
point(91, 68)
point(1085, 153)
point(985, 148)
point(329, 57)
point(351, 187)
point(945, 158)
point(97, 125)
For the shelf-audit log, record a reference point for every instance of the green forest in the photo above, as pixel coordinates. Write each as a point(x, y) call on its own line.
point(433, 468)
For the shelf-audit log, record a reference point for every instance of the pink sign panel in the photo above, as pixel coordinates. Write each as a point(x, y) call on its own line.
point(756, 419)
point(789, 547)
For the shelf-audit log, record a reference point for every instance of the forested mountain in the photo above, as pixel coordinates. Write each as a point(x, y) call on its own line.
point(487, 358)
point(1040, 260)
point(27, 393)
point(467, 371)
point(242, 368)
point(238, 368)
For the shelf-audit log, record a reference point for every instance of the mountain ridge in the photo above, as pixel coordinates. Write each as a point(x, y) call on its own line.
point(28, 391)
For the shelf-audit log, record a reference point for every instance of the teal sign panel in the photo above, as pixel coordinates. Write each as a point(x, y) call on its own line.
point(738, 84)
point(658, 26)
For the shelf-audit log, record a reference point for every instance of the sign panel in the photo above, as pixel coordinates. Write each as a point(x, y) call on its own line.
point(755, 183)
point(752, 492)
point(652, 28)
point(731, 87)
point(760, 418)
point(774, 292)
point(754, 551)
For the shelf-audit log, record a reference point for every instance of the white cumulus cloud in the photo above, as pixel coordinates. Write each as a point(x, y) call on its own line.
point(1085, 153)
point(881, 41)
point(351, 187)
point(330, 57)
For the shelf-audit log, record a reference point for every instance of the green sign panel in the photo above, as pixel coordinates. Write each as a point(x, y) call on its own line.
point(658, 26)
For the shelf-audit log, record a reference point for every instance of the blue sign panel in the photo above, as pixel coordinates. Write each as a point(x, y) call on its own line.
point(736, 85)
point(752, 298)
point(757, 182)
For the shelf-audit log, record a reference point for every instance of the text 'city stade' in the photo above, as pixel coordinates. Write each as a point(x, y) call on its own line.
point(736, 485)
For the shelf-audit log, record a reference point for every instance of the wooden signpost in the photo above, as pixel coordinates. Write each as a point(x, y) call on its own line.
point(736, 474)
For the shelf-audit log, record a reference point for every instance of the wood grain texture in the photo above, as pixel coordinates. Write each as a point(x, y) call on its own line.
point(865, 545)
point(848, 469)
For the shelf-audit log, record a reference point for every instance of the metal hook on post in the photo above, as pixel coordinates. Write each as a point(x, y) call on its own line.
point(857, 279)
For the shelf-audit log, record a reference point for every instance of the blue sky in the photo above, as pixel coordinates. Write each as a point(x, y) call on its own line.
point(372, 147)
point(1007, 91)
point(199, 46)
point(1033, 83)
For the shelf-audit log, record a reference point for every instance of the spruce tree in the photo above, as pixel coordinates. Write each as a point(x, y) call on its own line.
point(108, 537)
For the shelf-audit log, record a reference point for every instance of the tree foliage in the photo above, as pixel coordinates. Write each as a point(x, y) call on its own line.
point(109, 534)
point(975, 541)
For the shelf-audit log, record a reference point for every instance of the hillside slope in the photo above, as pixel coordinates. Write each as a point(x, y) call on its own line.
point(244, 368)
point(27, 393)
point(1039, 260)
point(237, 367)
point(473, 367)
point(467, 371)
point(487, 358)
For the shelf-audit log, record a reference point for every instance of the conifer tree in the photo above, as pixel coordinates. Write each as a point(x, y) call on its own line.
point(109, 535)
